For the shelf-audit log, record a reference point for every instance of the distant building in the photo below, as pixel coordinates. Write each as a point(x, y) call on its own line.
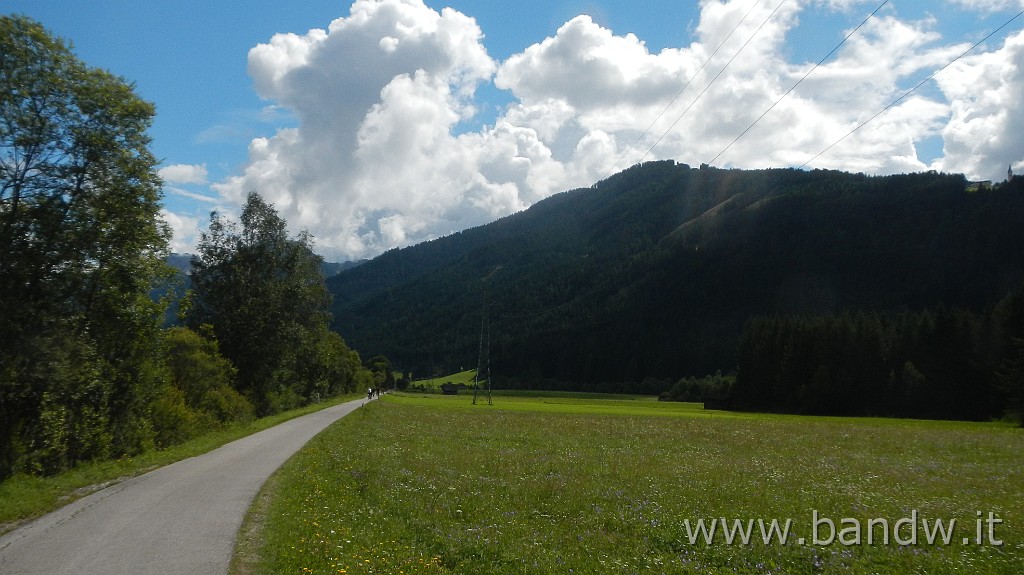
point(1009, 173)
point(449, 389)
point(977, 186)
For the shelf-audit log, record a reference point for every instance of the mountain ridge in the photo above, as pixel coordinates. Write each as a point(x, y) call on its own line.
point(651, 273)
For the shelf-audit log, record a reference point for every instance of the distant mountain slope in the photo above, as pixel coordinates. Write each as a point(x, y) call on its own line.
point(183, 263)
point(180, 283)
point(331, 268)
point(652, 272)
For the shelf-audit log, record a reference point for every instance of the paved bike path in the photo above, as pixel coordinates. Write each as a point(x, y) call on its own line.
point(179, 519)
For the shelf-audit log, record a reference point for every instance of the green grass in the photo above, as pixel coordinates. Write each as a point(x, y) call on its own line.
point(433, 484)
point(433, 385)
point(530, 393)
point(24, 497)
point(464, 377)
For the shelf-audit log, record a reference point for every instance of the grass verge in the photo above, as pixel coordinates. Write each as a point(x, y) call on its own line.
point(540, 485)
point(25, 497)
point(434, 383)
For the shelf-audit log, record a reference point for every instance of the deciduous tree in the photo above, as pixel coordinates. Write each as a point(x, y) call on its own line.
point(81, 244)
point(265, 297)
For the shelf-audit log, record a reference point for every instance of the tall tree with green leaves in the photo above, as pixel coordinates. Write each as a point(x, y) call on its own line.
point(81, 245)
point(264, 295)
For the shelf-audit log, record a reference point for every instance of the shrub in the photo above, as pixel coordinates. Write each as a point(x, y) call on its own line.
point(205, 378)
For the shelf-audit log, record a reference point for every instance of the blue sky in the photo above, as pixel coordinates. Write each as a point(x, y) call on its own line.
point(403, 121)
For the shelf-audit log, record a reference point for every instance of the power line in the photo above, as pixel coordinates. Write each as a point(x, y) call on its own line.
point(713, 80)
point(788, 92)
point(683, 89)
point(911, 91)
point(483, 366)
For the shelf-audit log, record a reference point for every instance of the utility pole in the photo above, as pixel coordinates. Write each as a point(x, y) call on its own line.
point(483, 367)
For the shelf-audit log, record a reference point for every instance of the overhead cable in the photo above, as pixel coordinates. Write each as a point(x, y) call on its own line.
point(911, 91)
point(713, 80)
point(683, 89)
point(788, 92)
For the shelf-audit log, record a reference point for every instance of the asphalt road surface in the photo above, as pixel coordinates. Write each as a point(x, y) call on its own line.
point(182, 518)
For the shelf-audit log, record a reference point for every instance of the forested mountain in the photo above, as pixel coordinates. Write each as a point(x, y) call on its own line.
point(183, 264)
point(329, 269)
point(651, 274)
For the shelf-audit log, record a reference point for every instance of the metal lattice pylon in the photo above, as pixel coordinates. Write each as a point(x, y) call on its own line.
point(483, 367)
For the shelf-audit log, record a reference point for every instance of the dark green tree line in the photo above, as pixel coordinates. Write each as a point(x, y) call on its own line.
point(87, 371)
point(265, 298)
point(944, 363)
point(81, 245)
point(652, 273)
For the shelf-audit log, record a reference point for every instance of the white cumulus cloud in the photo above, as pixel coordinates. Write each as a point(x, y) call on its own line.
point(990, 5)
point(983, 135)
point(379, 157)
point(185, 231)
point(184, 173)
point(374, 162)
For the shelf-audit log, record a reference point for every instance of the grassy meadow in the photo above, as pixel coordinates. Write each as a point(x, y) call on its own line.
point(434, 484)
point(466, 377)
